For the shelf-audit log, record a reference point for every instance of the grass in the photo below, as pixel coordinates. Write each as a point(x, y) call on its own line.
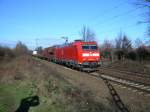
point(10, 96)
point(55, 93)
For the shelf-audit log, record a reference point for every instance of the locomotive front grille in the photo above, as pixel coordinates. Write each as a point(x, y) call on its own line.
point(90, 64)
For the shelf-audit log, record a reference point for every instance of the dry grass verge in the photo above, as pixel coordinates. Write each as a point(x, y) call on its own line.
point(24, 77)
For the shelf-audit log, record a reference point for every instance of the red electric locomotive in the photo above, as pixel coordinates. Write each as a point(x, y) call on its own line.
point(79, 54)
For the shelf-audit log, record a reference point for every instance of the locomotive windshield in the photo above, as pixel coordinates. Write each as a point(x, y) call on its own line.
point(85, 47)
point(89, 47)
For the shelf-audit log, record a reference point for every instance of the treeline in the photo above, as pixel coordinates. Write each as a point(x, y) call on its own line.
point(122, 49)
point(8, 53)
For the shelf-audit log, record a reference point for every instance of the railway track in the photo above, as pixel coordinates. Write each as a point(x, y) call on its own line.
point(119, 103)
point(135, 81)
point(124, 76)
point(134, 84)
point(116, 98)
point(144, 75)
point(141, 88)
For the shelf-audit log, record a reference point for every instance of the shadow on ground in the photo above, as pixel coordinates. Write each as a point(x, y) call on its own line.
point(28, 102)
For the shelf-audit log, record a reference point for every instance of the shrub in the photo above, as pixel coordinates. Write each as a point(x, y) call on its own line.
point(142, 53)
point(132, 55)
point(6, 52)
point(120, 54)
point(2, 51)
point(21, 49)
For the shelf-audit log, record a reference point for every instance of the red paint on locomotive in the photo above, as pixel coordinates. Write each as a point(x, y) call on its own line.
point(77, 54)
point(48, 53)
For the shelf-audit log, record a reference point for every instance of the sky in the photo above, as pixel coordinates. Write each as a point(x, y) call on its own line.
point(45, 21)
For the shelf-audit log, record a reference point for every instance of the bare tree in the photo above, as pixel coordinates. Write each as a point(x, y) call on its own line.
point(138, 43)
point(119, 41)
point(145, 4)
point(126, 43)
point(123, 42)
point(83, 33)
point(123, 46)
point(142, 53)
point(87, 34)
point(107, 45)
point(21, 48)
point(106, 49)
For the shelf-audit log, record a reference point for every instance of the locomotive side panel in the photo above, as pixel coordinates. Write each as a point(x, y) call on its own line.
point(70, 54)
point(48, 53)
point(58, 54)
point(51, 53)
point(44, 54)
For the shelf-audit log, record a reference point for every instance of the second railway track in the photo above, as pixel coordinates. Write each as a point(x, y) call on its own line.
point(144, 88)
point(123, 75)
point(138, 74)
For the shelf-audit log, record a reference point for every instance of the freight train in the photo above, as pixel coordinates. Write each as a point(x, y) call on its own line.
point(81, 55)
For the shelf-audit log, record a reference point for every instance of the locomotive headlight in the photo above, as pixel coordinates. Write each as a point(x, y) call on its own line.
point(85, 54)
point(95, 54)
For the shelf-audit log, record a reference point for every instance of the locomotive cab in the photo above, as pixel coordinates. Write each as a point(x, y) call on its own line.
point(89, 55)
